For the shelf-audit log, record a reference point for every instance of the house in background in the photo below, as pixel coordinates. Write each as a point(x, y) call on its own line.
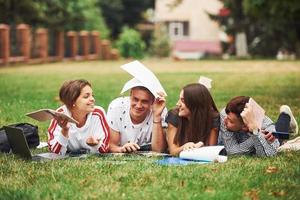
point(192, 33)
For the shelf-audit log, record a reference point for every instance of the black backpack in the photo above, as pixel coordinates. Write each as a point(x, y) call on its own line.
point(31, 134)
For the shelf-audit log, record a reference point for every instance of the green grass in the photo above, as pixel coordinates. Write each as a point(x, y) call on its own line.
point(27, 88)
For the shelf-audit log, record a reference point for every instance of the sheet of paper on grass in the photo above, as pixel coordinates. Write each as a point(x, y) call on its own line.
point(142, 77)
point(205, 81)
point(48, 114)
point(258, 111)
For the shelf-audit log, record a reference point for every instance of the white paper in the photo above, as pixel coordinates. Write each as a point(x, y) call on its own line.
point(205, 81)
point(258, 111)
point(207, 153)
point(131, 84)
point(145, 76)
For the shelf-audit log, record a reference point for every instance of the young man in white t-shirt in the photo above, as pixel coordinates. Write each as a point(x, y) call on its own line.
point(136, 121)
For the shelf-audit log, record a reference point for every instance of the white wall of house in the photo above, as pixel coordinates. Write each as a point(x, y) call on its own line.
point(193, 13)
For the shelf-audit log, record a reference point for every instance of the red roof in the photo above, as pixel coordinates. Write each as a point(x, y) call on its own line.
point(197, 46)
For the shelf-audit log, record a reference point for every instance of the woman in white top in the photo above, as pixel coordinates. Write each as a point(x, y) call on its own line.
point(92, 131)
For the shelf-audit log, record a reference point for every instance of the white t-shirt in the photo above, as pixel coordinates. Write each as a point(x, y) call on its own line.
point(118, 119)
point(95, 125)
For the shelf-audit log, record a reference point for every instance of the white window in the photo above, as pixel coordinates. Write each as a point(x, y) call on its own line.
point(178, 30)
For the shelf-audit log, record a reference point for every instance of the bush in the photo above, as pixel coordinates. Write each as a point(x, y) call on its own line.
point(130, 44)
point(160, 45)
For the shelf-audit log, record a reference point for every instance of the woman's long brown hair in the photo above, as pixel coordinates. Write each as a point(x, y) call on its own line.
point(203, 109)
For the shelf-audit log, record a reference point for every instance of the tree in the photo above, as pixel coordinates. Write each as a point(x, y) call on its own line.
point(269, 25)
point(14, 11)
point(119, 13)
point(277, 24)
point(54, 14)
point(86, 15)
point(112, 13)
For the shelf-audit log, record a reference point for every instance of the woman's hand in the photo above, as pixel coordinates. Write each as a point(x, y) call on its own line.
point(92, 141)
point(63, 123)
point(192, 145)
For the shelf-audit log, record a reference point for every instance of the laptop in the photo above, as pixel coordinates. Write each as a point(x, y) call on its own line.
point(19, 146)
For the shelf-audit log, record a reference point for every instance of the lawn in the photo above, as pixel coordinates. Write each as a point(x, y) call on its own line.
point(27, 88)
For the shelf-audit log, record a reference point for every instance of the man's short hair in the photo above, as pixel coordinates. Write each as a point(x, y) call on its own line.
point(144, 89)
point(236, 105)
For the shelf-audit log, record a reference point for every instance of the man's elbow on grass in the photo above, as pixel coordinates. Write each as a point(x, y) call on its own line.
point(158, 148)
point(233, 151)
point(271, 153)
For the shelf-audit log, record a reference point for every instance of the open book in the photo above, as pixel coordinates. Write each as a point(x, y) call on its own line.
point(253, 115)
point(48, 114)
point(204, 154)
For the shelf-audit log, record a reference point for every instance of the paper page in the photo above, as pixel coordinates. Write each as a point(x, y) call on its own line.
point(258, 111)
point(207, 153)
point(48, 114)
point(145, 76)
point(205, 81)
point(131, 84)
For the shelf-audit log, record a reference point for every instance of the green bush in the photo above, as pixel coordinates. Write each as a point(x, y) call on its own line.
point(130, 44)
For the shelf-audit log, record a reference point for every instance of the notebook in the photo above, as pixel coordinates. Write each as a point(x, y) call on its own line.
point(20, 147)
point(202, 155)
point(205, 154)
